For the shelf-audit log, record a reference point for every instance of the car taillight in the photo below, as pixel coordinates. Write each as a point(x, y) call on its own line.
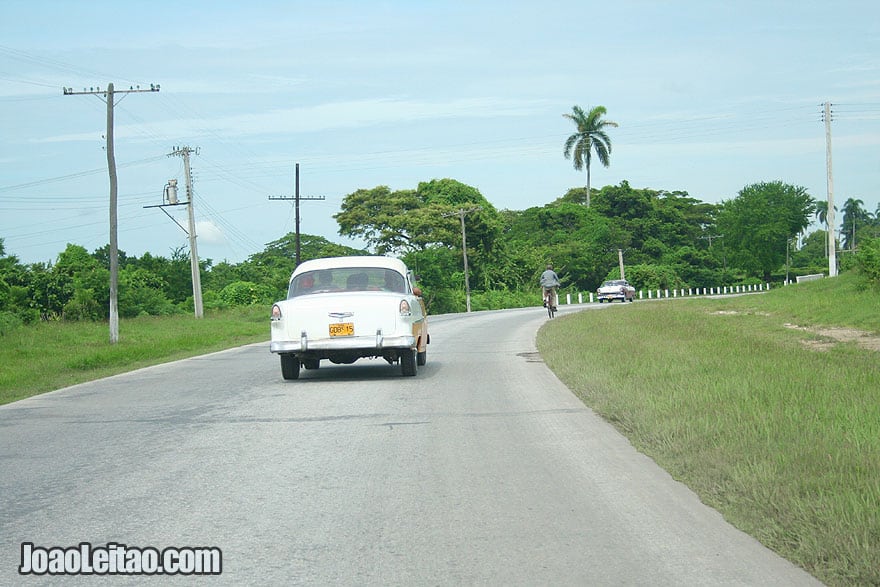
point(276, 312)
point(404, 308)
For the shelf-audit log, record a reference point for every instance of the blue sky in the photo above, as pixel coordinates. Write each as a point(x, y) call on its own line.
point(709, 97)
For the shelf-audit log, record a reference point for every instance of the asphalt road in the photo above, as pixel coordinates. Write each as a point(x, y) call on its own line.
point(483, 469)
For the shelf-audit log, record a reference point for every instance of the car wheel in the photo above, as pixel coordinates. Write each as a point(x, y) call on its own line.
point(422, 358)
point(289, 366)
point(408, 362)
point(311, 363)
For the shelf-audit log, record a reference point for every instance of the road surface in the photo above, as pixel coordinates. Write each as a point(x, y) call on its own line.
point(482, 469)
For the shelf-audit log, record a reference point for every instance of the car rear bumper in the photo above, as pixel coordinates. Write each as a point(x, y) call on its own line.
point(378, 342)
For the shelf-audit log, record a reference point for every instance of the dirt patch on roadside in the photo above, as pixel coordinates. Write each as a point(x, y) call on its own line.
point(833, 335)
point(828, 336)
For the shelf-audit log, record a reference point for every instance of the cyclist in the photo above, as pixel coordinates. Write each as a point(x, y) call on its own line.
point(549, 283)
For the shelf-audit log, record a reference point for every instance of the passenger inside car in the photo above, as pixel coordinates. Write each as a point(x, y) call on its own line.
point(356, 282)
point(394, 281)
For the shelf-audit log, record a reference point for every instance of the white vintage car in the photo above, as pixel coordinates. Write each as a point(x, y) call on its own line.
point(616, 289)
point(346, 308)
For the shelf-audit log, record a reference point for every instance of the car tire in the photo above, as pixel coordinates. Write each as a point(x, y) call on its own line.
point(289, 366)
point(422, 358)
point(408, 362)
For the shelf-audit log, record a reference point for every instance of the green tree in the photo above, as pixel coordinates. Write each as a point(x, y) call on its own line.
point(821, 214)
point(569, 235)
point(389, 221)
point(274, 264)
point(811, 257)
point(590, 136)
point(758, 223)
point(8, 265)
point(52, 287)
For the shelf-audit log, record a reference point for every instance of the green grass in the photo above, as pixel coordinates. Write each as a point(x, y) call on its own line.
point(47, 356)
point(782, 439)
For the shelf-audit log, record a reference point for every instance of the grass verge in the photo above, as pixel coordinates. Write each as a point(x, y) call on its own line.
point(47, 356)
point(782, 439)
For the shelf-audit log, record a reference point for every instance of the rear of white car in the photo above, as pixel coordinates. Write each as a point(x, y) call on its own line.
point(346, 308)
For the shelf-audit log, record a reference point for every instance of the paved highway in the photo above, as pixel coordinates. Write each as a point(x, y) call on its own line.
point(482, 469)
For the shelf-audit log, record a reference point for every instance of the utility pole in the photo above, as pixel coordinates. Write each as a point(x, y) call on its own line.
point(108, 96)
point(709, 237)
point(193, 250)
point(620, 263)
point(461, 212)
point(832, 246)
point(296, 199)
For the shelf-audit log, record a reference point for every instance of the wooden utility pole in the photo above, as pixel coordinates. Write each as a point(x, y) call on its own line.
point(193, 248)
point(461, 212)
point(111, 166)
point(296, 199)
point(832, 245)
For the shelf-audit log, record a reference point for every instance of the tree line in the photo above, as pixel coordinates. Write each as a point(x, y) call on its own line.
point(668, 240)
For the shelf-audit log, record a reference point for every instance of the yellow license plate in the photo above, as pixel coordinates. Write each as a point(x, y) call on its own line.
point(342, 329)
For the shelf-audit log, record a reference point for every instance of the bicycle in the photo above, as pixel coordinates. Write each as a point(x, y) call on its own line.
point(550, 300)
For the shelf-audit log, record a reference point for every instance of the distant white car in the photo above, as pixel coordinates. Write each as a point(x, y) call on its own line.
point(616, 289)
point(346, 308)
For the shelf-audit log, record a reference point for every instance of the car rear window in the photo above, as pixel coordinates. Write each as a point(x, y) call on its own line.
point(346, 279)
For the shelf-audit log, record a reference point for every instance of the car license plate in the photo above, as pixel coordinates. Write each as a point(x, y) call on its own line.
point(342, 329)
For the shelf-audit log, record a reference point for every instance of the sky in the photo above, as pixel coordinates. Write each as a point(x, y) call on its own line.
point(709, 97)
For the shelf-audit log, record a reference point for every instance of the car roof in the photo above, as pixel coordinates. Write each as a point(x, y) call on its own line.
point(379, 261)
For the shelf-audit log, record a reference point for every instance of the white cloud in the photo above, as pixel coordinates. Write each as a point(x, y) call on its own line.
point(209, 233)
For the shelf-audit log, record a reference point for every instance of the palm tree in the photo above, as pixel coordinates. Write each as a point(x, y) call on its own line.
point(822, 212)
point(590, 136)
point(822, 217)
point(853, 212)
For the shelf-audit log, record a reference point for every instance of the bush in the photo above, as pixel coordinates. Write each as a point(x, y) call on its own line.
point(82, 306)
point(9, 322)
point(868, 260)
point(498, 299)
point(650, 276)
point(247, 293)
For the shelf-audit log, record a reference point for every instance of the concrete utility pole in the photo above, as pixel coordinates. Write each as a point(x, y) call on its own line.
point(111, 166)
point(461, 212)
point(193, 250)
point(723, 252)
point(297, 198)
point(832, 246)
point(620, 263)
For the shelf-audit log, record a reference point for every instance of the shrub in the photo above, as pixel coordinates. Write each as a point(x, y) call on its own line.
point(247, 293)
point(868, 260)
point(82, 306)
point(9, 322)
